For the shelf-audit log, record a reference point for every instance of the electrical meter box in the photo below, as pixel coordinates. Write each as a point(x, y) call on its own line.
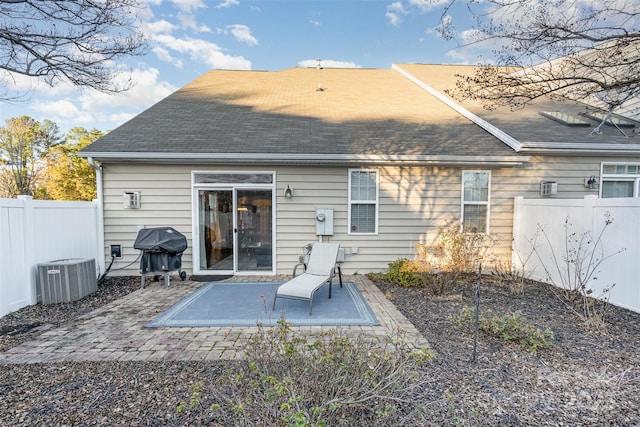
point(324, 222)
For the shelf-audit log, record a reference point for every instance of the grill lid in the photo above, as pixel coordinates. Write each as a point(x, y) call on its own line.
point(160, 239)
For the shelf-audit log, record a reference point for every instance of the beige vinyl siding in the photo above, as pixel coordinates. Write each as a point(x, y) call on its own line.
point(413, 202)
point(165, 192)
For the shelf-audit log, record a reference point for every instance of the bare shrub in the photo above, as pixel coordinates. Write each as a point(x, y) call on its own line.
point(290, 379)
point(577, 268)
point(506, 273)
point(452, 254)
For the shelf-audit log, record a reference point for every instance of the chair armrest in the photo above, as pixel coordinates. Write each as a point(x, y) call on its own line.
point(295, 268)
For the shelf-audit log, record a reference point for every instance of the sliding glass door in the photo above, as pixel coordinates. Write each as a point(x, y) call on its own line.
point(215, 209)
point(254, 234)
point(234, 230)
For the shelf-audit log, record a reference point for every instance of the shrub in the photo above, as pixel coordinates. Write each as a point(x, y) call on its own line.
point(454, 249)
point(439, 265)
point(402, 272)
point(511, 327)
point(288, 379)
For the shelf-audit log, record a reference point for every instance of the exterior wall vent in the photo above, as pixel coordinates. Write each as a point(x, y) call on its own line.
point(131, 200)
point(548, 188)
point(66, 280)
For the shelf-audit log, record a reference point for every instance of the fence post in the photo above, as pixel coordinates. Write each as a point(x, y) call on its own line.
point(99, 221)
point(588, 214)
point(29, 251)
point(516, 238)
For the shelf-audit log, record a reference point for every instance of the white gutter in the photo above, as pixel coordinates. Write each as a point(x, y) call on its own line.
point(501, 135)
point(311, 158)
point(100, 214)
point(584, 148)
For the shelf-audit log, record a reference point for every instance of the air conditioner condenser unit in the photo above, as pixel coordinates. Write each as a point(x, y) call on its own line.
point(66, 280)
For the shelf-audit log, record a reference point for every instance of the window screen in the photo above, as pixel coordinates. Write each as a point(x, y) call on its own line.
point(363, 201)
point(475, 201)
point(620, 180)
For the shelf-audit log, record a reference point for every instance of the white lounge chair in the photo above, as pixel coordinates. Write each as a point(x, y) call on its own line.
point(319, 270)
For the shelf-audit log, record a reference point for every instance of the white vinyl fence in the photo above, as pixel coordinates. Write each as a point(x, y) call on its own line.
point(542, 228)
point(39, 231)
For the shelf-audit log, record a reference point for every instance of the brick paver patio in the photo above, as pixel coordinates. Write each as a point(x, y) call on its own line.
point(117, 332)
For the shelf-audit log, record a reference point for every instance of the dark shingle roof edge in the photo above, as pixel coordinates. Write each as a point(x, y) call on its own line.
point(498, 133)
point(317, 159)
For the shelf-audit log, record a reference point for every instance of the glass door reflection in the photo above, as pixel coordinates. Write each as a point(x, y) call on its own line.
point(254, 221)
point(216, 230)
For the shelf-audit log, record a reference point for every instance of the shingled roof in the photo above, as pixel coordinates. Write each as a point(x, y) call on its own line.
point(303, 115)
point(531, 132)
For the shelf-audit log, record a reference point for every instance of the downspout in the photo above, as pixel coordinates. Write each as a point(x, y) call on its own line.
point(100, 216)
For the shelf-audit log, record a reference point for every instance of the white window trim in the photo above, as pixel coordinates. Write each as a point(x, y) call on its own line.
point(635, 178)
point(195, 232)
point(487, 203)
point(351, 202)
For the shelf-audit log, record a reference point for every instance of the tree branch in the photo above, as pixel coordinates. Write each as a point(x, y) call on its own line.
point(74, 40)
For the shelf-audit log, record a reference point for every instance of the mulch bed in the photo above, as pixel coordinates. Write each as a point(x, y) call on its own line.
point(587, 377)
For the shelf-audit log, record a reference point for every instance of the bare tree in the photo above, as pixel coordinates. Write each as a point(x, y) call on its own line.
point(570, 48)
point(74, 40)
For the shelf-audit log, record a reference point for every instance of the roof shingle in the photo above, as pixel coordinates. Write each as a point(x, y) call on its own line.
point(357, 112)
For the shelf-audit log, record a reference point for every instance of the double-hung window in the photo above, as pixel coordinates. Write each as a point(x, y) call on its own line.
point(620, 180)
point(363, 201)
point(475, 201)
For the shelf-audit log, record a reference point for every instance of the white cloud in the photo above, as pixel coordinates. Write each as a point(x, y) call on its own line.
point(159, 27)
point(165, 56)
point(94, 109)
point(473, 47)
point(426, 6)
point(394, 13)
point(120, 118)
point(243, 33)
point(189, 5)
point(188, 20)
point(204, 51)
point(327, 63)
point(144, 11)
point(20, 85)
point(63, 110)
point(146, 90)
point(394, 19)
point(396, 7)
point(227, 3)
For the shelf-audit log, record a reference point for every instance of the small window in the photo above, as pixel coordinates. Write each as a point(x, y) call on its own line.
point(363, 201)
point(475, 201)
point(232, 178)
point(611, 120)
point(564, 118)
point(620, 180)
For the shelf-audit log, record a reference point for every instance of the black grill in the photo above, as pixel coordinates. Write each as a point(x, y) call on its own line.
point(162, 249)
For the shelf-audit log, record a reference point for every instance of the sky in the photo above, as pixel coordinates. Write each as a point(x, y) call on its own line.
point(187, 38)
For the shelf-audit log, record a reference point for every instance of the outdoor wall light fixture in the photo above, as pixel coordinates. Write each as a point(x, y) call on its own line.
point(591, 182)
point(288, 193)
